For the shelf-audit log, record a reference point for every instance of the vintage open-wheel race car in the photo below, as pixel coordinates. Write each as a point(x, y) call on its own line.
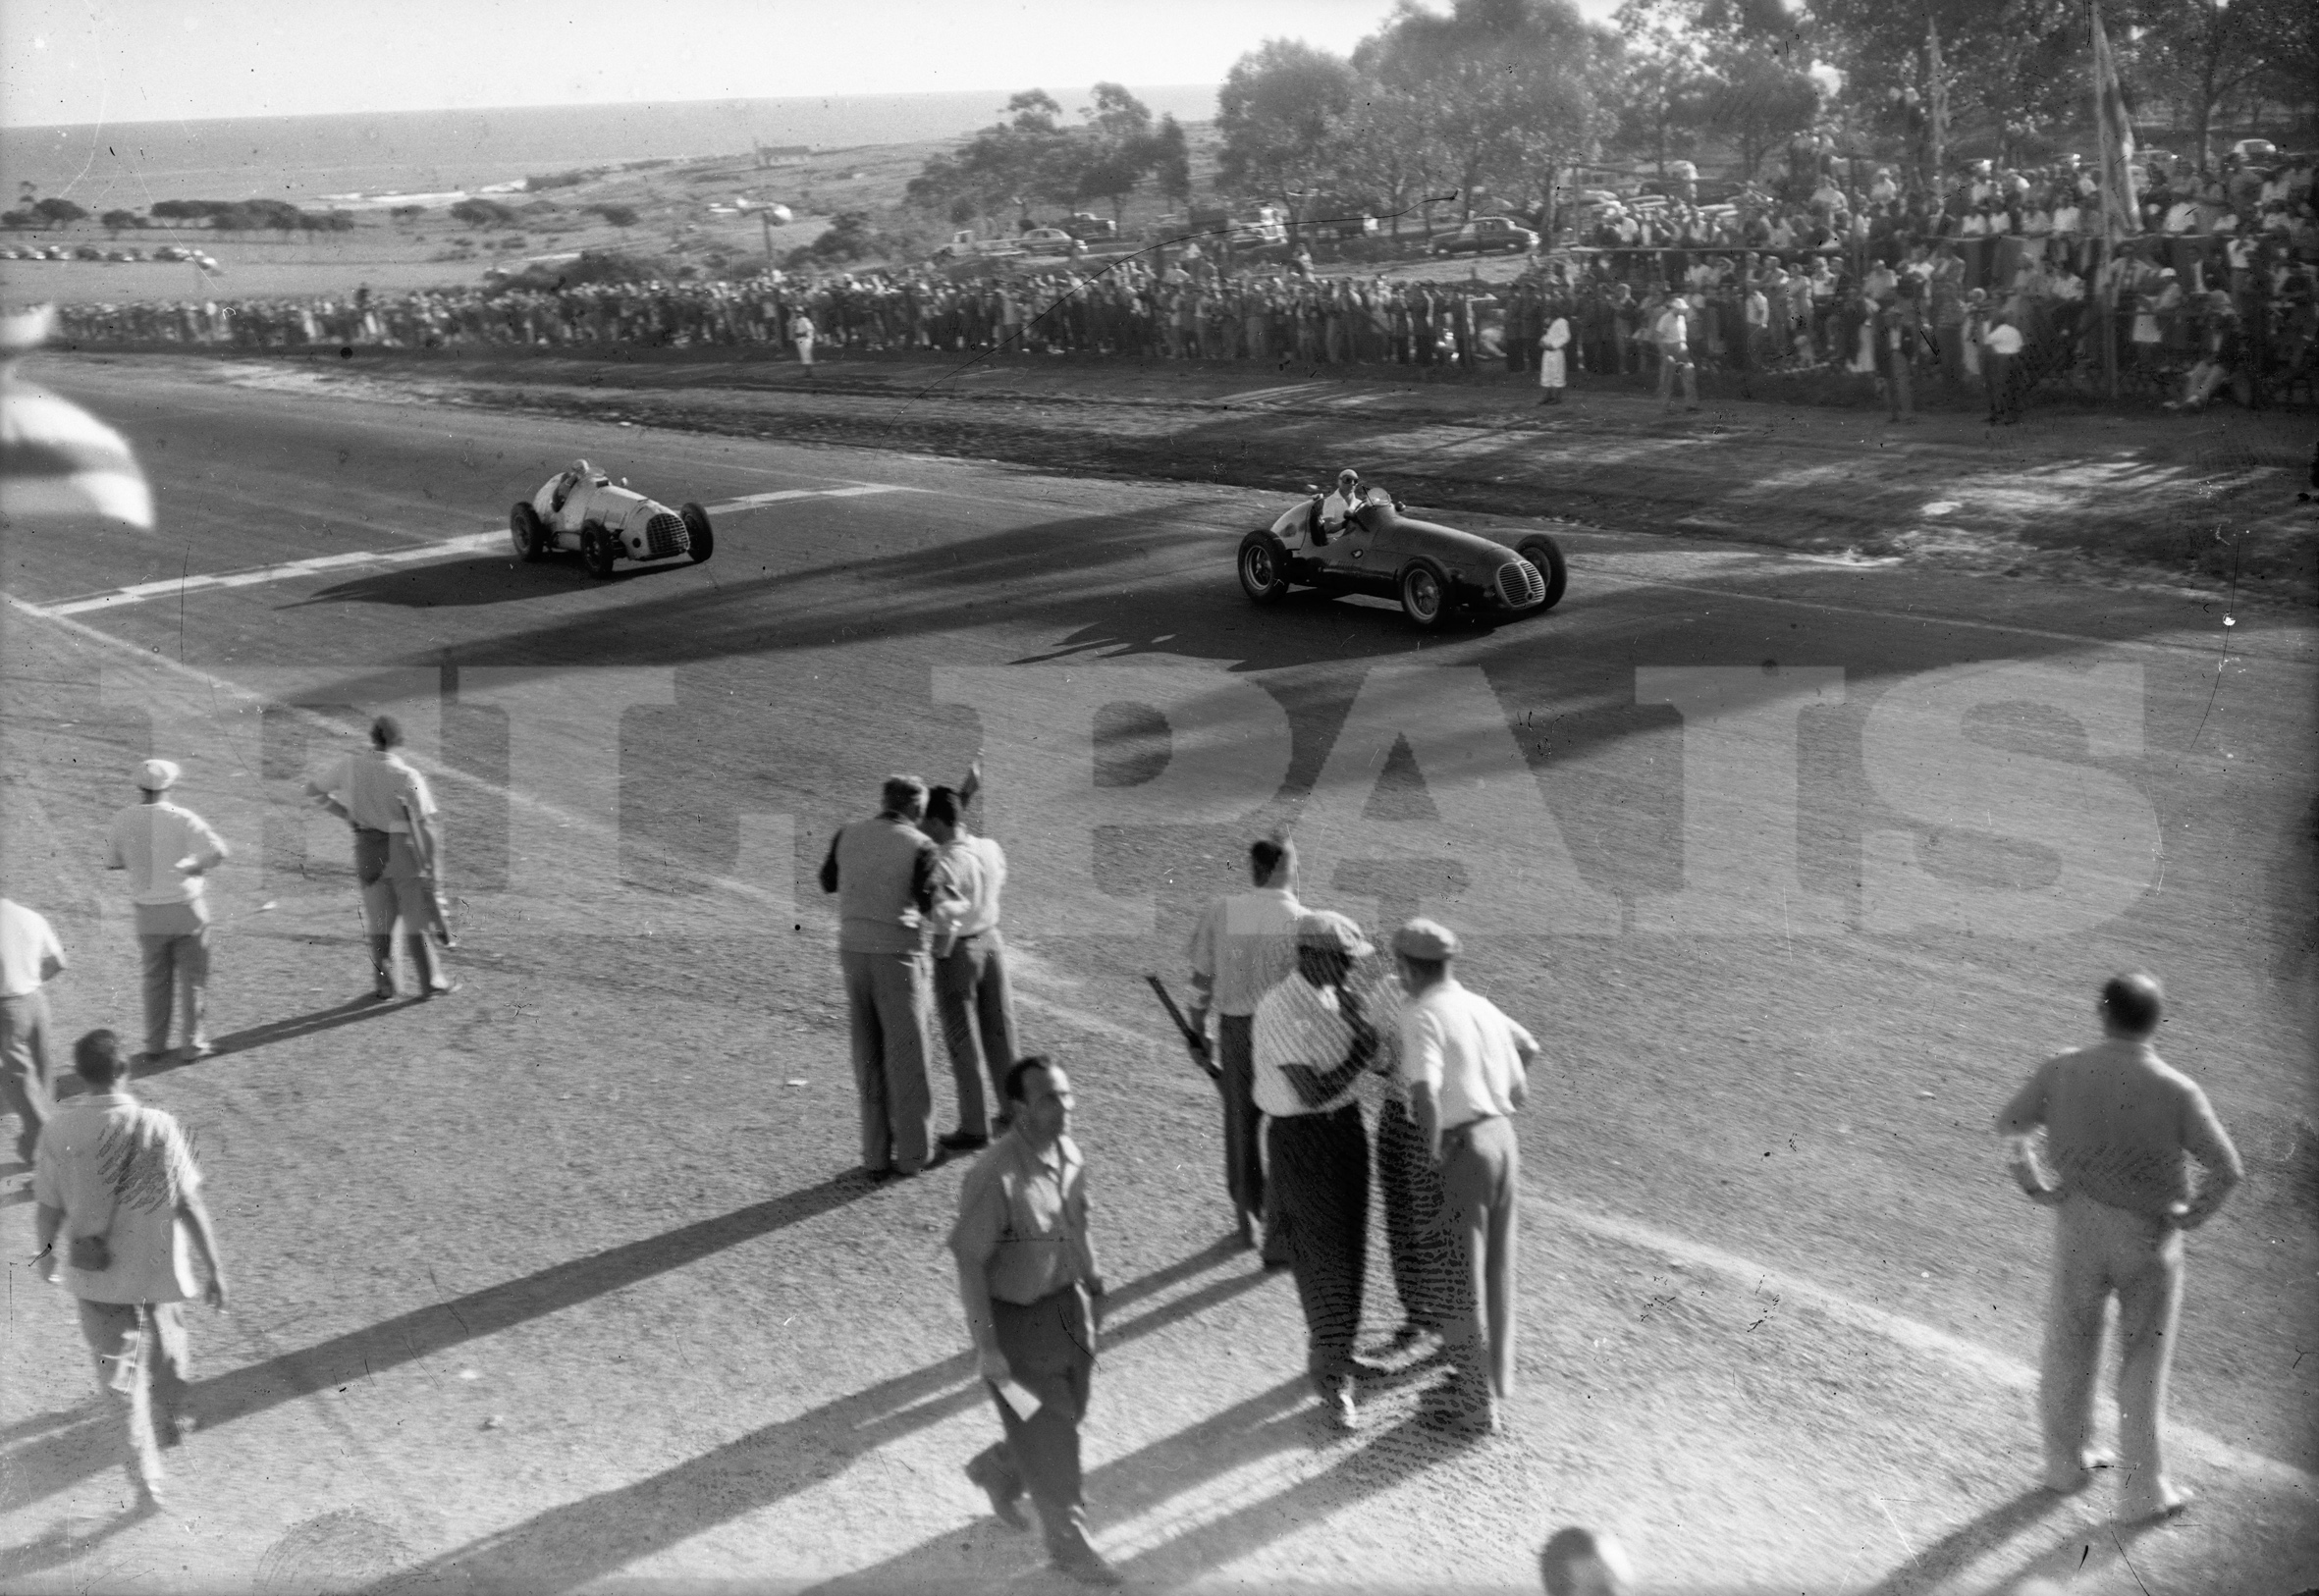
point(581, 510)
point(1364, 543)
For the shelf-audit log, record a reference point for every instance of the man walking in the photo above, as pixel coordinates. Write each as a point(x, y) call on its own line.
point(30, 957)
point(398, 846)
point(1467, 1066)
point(1671, 329)
point(970, 989)
point(2120, 1129)
point(1312, 1039)
point(886, 876)
point(1245, 945)
point(117, 1181)
point(168, 851)
point(1028, 1281)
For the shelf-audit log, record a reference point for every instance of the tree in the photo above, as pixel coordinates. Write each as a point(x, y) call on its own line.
point(1660, 99)
point(623, 217)
point(1389, 152)
point(1281, 115)
point(115, 221)
point(2198, 53)
point(1172, 161)
point(1758, 98)
point(58, 212)
point(1116, 150)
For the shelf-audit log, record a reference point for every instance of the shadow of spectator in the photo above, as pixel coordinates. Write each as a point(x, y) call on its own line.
point(285, 1029)
point(578, 1542)
point(1948, 1556)
point(60, 1545)
point(32, 1473)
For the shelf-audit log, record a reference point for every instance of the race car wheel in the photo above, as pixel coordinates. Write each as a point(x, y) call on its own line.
point(1546, 554)
point(598, 551)
point(1263, 568)
point(697, 532)
point(529, 532)
point(1425, 597)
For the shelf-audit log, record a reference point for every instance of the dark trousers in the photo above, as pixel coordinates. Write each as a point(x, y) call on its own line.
point(27, 1090)
point(1244, 1165)
point(887, 996)
point(1428, 1261)
point(977, 1008)
point(1050, 1346)
point(1321, 1175)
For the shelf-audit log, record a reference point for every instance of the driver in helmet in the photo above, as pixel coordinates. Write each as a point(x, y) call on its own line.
point(1341, 504)
point(575, 475)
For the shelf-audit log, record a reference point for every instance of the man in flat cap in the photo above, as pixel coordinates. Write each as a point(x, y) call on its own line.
point(397, 844)
point(1314, 1037)
point(168, 850)
point(1467, 1065)
point(1243, 945)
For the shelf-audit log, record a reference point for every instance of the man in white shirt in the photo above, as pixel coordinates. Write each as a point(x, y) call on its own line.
point(167, 851)
point(971, 994)
point(1467, 1065)
point(1243, 946)
point(397, 847)
point(116, 1182)
point(1671, 330)
point(30, 957)
point(1313, 1038)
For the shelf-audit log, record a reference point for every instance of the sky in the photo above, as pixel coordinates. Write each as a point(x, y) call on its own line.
point(116, 61)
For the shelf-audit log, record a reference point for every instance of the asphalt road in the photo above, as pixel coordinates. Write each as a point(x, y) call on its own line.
point(1782, 979)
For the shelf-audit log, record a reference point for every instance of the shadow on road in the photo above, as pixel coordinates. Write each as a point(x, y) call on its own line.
point(1948, 1556)
point(31, 1472)
point(292, 1029)
point(579, 1542)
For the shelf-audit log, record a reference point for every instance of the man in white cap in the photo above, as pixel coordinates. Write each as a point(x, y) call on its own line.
point(1314, 1037)
point(1467, 1064)
point(168, 850)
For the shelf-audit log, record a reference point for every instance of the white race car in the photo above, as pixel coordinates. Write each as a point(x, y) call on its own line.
point(579, 508)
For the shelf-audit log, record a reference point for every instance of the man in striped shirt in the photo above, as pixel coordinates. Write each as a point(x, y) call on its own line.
point(168, 850)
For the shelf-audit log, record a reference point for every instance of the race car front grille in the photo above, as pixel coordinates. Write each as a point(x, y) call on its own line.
point(664, 535)
point(1520, 584)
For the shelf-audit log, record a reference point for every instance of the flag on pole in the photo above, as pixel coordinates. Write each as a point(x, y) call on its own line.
point(1936, 97)
point(55, 458)
point(2121, 212)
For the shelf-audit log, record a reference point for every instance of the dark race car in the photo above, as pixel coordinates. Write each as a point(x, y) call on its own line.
point(580, 509)
point(1366, 544)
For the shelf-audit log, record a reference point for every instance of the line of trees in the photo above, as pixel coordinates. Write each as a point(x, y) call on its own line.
point(251, 215)
point(1497, 103)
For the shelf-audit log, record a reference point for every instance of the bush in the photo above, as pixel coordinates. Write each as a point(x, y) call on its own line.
point(592, 266)
point(560, 179)
point(116, 221)
point(617, 215)
point(482, 213)
point(58, 211)
point(404, 213)
point(19, 218)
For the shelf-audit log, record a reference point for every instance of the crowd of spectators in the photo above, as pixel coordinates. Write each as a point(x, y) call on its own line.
point(1883, 281)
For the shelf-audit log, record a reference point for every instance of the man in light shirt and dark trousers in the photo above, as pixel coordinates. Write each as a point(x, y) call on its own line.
point(1315, 1038)
point(1245, 945)
point(970, 986)
point(397, 847)
point(1028, 1281)
point(30, 957)
point(168, 850)
point(2121, 1130)
point(1467, 1067)
point(887, 878)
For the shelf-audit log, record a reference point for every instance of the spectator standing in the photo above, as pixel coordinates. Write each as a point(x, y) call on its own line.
point(397, 854)
point(970, 986)
point(1243, 946)
point(2001, 348)
point(168, 851)
point(117, 1181)
point(1028, 1281)
point(801, 336)
point(1313, 1039)
point(1467, 1064)
point(886, 877)
point(30, 957)
point(1553, 364)
point(1671, 329)
point(2120, 1130)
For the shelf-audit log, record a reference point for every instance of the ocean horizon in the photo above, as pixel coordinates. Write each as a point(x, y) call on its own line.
point(302, 159)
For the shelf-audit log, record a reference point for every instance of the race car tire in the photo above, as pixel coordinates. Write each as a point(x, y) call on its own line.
point(1263, 568)
point(529, 532)
point(1425, 594)
point(698, 533)
point(1546, 554)
point(598, 551)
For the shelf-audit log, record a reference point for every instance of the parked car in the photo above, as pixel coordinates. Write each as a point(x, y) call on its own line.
point(580, 509)
point(2255, 152)
point(1048, 241)
point(1088, 226)
point(1485, 234)
point(88, 251)
point(171, 251)
point(1432, 569)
